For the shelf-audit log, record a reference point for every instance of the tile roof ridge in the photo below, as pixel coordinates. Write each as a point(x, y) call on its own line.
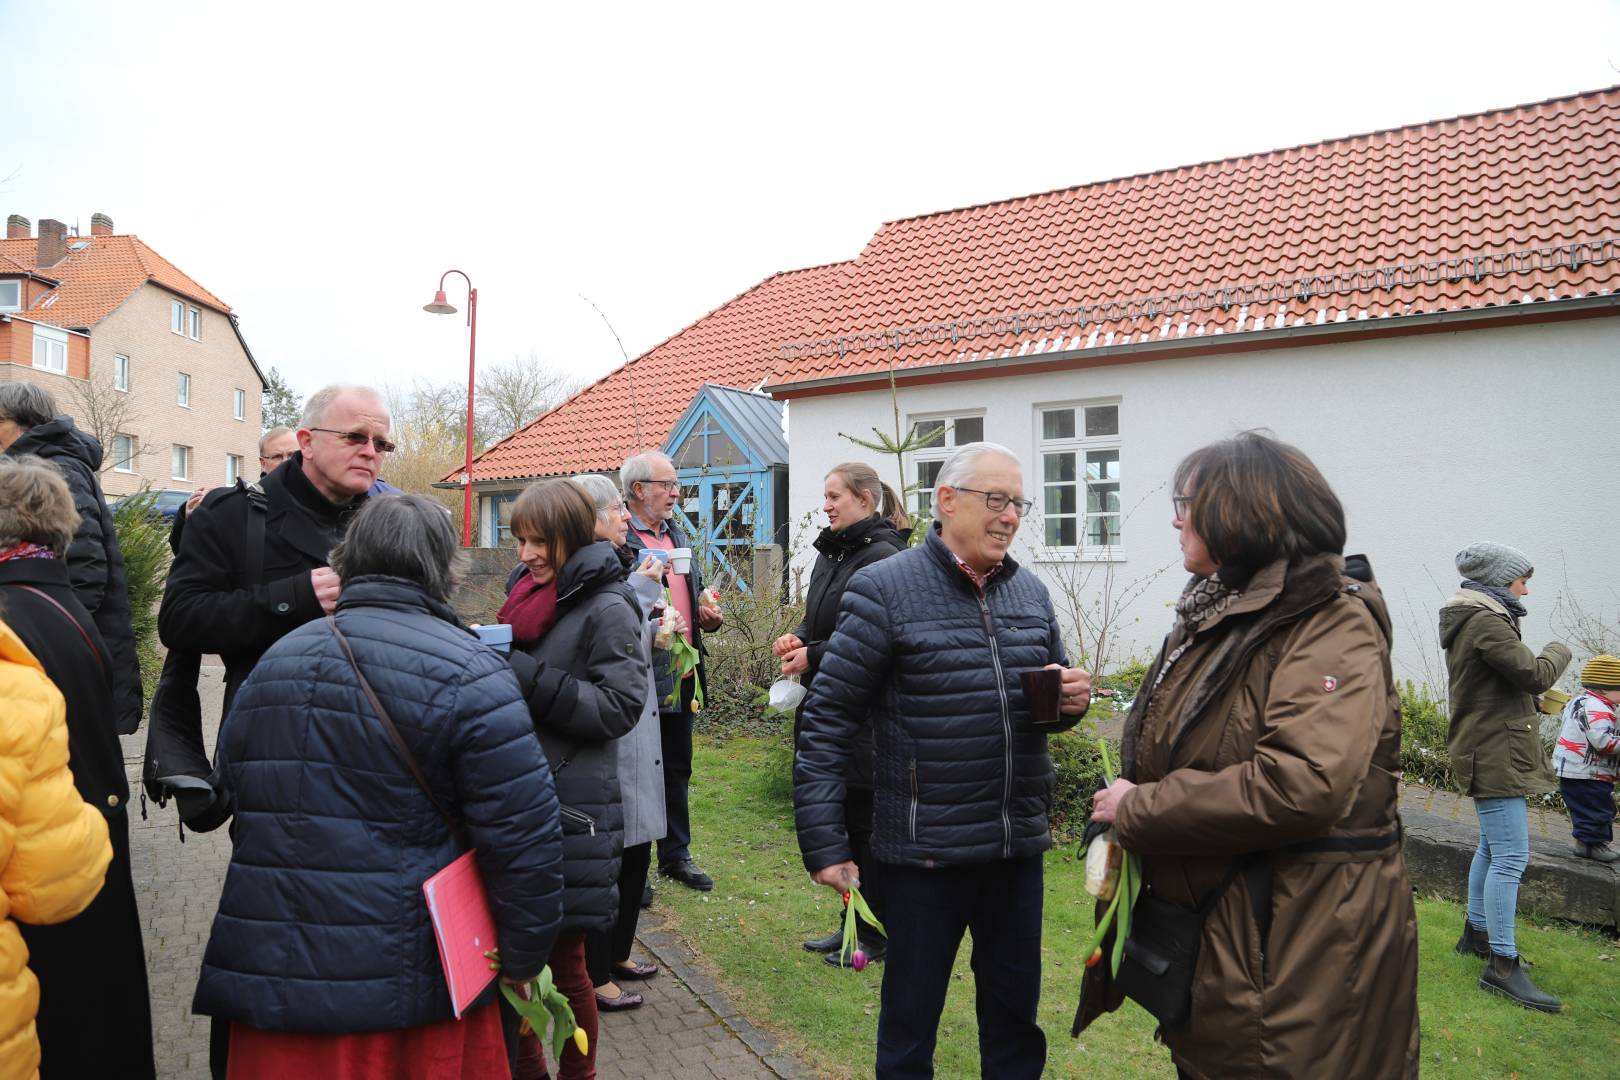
point(1499, 111)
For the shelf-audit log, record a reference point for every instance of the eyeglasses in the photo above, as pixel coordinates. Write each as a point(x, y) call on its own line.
point(667, 485)
point(998, 501)
point(275, 459)
point(1180, 503)
point(360, 438)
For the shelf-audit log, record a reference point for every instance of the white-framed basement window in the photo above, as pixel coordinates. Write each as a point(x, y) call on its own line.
point(1079, 450)
point(939, 436)
point(50, 349)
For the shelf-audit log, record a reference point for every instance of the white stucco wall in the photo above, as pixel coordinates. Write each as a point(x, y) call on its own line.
point(1431, 441)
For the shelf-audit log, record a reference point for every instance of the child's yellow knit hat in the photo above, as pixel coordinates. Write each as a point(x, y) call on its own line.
point(1602, 671)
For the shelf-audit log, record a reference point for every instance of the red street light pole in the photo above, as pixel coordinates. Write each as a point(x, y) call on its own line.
point(441, 307)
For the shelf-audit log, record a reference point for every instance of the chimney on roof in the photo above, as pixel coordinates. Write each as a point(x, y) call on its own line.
point(52, 242)
point(101, 225)
point(18, 228)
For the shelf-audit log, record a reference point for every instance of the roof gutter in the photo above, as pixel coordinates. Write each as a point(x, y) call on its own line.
point(1243, 341)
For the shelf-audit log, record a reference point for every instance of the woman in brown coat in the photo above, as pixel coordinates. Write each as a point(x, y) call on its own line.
point(1262, 759)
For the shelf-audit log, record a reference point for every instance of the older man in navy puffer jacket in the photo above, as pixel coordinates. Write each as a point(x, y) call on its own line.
point(928, 649)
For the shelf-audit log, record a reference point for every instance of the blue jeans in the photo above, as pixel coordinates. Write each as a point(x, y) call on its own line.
point(1000, 902)
point(1499, 862)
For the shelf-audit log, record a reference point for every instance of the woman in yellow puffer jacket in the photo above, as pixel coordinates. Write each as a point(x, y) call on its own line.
point(53, 845)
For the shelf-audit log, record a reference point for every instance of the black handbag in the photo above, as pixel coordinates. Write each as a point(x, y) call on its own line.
point(1161, 954)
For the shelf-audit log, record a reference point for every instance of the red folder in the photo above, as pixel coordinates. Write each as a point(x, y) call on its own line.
point(463, 927)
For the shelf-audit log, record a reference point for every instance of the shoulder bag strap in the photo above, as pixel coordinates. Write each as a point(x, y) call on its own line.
point(66, 614)
point(400, 746)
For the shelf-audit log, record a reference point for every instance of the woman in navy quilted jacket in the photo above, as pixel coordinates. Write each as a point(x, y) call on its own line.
point(322, 956)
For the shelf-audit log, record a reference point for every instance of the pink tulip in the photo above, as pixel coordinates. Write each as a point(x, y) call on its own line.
point(857, 960)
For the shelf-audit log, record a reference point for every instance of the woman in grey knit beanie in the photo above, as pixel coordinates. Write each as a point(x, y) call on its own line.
point(1495, 749)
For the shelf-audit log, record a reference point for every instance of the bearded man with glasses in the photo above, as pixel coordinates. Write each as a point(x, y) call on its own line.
point(929, 651)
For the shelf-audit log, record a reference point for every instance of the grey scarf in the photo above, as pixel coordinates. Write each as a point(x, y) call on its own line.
point(1500, 595)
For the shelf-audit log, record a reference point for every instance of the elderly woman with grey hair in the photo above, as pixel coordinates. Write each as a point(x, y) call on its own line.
point(641, 771)
point(322, 956)
point(31, 424)
point(37, 526)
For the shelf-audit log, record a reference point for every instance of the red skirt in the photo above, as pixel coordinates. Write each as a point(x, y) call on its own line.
point(470, 1047)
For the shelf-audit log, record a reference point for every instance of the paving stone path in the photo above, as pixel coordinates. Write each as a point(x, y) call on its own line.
point(686, 1030)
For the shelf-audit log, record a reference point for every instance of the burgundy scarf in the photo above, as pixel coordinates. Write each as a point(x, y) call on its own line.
point(530, 610)
point(26, 550)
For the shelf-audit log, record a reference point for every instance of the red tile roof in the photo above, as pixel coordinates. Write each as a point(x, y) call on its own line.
point(1503, 207)
point(96, 279)
point(736, 345)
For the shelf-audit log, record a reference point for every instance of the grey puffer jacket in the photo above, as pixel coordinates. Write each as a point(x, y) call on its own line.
point(586, 682)
point(641, 752)
point(959, 775)
point(94, 561)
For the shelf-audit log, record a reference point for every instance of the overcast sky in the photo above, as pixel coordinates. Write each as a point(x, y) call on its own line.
point(318, 165)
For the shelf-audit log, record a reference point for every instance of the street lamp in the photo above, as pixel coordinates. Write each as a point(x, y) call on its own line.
point(441, 306)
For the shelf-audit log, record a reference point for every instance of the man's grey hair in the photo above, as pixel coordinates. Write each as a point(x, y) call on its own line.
point(26, 405)
point(320, 402)
point(638, 469)
point(601, 490)
point(36, 506)
point(274, 433)
point(963, 465)
point(403, 536)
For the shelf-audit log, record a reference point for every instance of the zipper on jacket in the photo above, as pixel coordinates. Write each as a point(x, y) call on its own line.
point(1006, 727)
point(578, 817)
point(913, 800)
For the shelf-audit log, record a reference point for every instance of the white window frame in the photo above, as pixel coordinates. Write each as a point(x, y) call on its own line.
point(177, 318)
point(121, 373)
point(182, 389)
point(180, 455)
point(56, 349)
point(238, 404)
point(194, 324)
point(126, 463)
point(12, 305)
point(233, 468)
point(1080, 444)
point(922, 498)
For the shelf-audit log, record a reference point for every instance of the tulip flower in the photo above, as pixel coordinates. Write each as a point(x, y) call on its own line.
point(1128, 888)
point(855, 906)
point(542, 1004)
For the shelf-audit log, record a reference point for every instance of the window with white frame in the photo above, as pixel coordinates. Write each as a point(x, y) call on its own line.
point(123, 453)
point(180, 462)
point(50, 349)
point(120, 372)
point(1079, 461)
point(182, 390)
point(177, 317)
point(238, 404)
point(939, 436)
point(10, 296)
point(233, 468)
point(194, 324)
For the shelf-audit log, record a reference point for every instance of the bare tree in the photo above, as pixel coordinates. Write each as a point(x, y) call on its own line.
point(429, 434)
point(511, 395)
point(103, 411)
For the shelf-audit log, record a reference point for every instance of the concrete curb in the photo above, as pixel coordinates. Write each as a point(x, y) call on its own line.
point(675, 954)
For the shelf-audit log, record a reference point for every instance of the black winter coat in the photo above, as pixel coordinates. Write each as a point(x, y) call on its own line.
point(210, 606)
point(840, 554)
point(322, 925)
point(79, 668)
point(94, 562)
point(586, 682)
point(959, 776)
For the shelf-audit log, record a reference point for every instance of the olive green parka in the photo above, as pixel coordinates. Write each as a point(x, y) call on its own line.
point(1494, 740)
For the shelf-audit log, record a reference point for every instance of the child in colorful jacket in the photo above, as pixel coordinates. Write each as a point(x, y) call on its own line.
point(1587, 758)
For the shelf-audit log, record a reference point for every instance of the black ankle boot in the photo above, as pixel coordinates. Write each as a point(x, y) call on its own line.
point(1474, 942)
point(1504, 976)
point(829, 944)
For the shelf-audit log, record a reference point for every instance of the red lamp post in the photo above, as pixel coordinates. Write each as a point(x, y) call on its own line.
point(440, 306)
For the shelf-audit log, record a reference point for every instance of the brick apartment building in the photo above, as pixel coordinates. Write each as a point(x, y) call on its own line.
point(135, 350)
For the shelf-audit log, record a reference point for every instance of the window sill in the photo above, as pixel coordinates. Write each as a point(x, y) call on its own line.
point(1069, 555)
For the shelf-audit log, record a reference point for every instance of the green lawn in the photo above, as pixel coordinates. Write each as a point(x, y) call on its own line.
point(749, 928)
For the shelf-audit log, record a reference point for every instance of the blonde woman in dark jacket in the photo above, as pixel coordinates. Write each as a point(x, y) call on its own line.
point(1495, 749)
